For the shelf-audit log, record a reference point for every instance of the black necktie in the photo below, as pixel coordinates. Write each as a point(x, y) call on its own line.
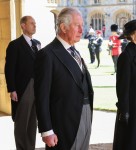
point(34, 47)
point(75, 54)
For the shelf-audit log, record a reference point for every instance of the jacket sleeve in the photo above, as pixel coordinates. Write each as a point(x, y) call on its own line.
point(123, 82)
point(10, 66)
point(99, 42)
point(42, 87)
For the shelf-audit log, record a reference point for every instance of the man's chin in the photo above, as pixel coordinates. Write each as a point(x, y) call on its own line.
point(78, 40)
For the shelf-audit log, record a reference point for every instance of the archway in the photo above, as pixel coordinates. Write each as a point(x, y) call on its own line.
point(97, 20)
point(121, 17)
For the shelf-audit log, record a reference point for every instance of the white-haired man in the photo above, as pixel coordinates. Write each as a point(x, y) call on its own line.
point(63, 88)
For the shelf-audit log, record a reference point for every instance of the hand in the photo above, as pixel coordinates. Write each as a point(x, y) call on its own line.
point(94, 42)
point(110, 43)
point(115, 45)
point(50, 140)
point(13, 96)
point(123, 117)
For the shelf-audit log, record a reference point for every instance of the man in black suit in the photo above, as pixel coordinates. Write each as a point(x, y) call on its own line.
point(63, 88)
point(19, 73)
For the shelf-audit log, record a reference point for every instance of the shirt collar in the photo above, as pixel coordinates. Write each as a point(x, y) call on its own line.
point(64, 43)
point(28, 39)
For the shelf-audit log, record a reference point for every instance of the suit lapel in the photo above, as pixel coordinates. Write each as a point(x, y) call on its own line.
point(68, 61)
point(26, 47)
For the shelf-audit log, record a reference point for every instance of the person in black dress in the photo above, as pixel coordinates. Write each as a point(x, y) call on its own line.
point(125, 125)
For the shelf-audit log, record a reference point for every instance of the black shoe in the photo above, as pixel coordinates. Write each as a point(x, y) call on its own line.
point(96, 67)
point(92, 61)
point(113, 73)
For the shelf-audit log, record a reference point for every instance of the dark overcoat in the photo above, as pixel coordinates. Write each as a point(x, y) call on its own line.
point(59, 93)
point(19, 68)
point(125, 134)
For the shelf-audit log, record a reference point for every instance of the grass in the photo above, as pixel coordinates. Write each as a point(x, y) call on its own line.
point(105, 98)
point(104, 84)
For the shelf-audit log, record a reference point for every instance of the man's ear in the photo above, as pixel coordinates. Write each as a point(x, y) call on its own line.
point(63, 27)
point(23, 25)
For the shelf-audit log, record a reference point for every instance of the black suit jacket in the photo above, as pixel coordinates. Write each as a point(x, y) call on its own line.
point(19, 67)
point(59, 93)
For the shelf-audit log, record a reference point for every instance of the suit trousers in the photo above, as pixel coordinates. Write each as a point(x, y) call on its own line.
point(25, 120)
point(84, 131)
point(115, 59)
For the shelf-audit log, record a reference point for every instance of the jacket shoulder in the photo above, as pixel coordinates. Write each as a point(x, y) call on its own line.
point(129, 52)
point(131, 49)
point(17, 40)
point(45, 50)
point(55, 44)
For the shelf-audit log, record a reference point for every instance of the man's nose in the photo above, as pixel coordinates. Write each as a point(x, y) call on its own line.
point(80, 29)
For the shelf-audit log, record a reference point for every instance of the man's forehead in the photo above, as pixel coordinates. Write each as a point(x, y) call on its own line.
point(77, 17)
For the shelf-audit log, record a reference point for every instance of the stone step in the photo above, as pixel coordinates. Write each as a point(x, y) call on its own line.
point(100, 146)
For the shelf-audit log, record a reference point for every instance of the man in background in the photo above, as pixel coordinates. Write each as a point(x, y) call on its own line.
point(103, 30)
point(19, 73)
point(115, 45)
point(91, 30)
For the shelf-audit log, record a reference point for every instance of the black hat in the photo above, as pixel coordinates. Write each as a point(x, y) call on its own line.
point(129, 27)
point(114, 27)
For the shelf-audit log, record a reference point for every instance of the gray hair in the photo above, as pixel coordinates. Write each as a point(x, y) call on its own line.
point(65, 16)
